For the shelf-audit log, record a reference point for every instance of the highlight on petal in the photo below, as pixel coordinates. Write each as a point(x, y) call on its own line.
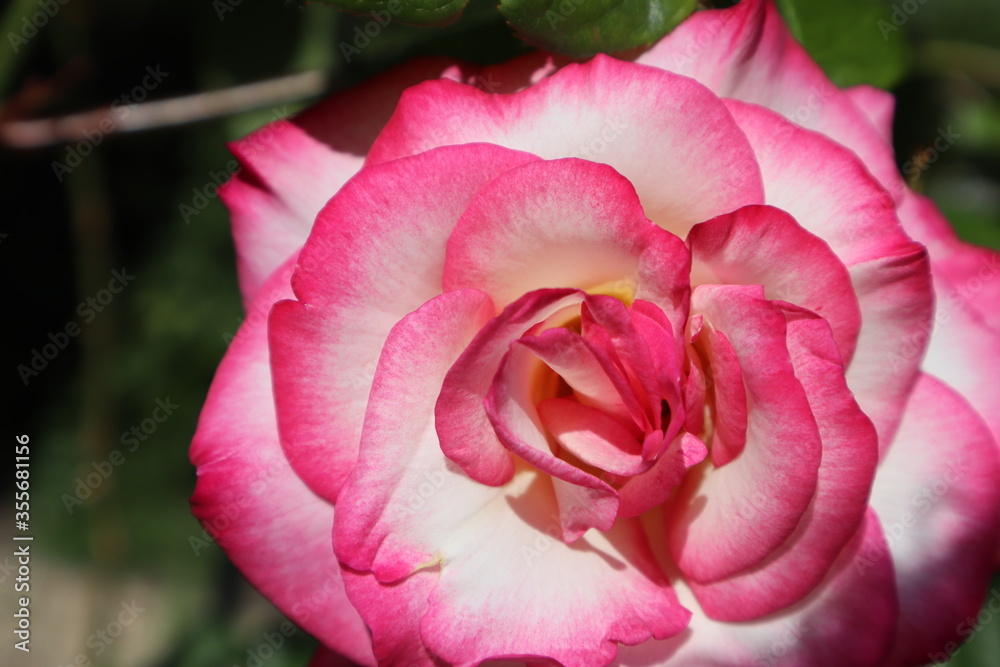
point(689, 161)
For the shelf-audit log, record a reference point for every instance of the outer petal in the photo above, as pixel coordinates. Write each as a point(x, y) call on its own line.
point(849, 620)
point(937, 496)
point(747, 53)
point(878, 105)
point(688, 161)
point(396, 643)
point(964, 348)
point(269, 523)
point(376, 253)
point(825, 187)
point(830, 193)
point(291, 167)
point(710, 537)
point(499, 575)
point(847, 469)
point(972, 272)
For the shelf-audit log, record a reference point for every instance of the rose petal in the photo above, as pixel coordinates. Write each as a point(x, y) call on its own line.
point(584, 500)
point(963, 349)
point(761, 245)
point(476, 535)
point(832, 195)
point(746, 52)
point(463, 426)
point(559, 223)
point(376, 253)
point(688, 161)
point(849, 620)
point(877, 105)
point(291, 167)
point(712, 535)
point(936, 493)
point(273, 528)
point(850, 454)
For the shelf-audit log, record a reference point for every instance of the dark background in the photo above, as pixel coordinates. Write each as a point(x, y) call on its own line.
point(132, 537)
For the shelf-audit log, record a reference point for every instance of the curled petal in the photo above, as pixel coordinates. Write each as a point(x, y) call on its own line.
point(714, 526)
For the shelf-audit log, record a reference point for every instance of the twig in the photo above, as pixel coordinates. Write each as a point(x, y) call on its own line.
point(162, 113)
point(979, 62)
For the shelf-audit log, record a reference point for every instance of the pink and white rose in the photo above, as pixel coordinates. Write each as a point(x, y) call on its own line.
point(634, 363)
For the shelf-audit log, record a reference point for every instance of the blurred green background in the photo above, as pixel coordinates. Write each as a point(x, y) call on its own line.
point(121, 207)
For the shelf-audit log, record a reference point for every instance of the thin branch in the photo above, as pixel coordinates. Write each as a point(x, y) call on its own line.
point(979, 62)
point(118, 118)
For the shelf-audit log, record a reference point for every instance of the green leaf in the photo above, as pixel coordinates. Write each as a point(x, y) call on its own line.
point(415, 12)
point(582, 28)
point(854, 41)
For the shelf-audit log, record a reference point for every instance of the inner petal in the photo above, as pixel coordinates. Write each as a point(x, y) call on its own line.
point(592, 435)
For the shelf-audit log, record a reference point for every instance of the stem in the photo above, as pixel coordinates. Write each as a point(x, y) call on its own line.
point(162, 113)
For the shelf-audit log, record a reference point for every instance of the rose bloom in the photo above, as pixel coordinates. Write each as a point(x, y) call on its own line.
point(636, 363)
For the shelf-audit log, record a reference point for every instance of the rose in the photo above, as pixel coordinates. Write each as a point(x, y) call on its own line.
point(553, 429)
